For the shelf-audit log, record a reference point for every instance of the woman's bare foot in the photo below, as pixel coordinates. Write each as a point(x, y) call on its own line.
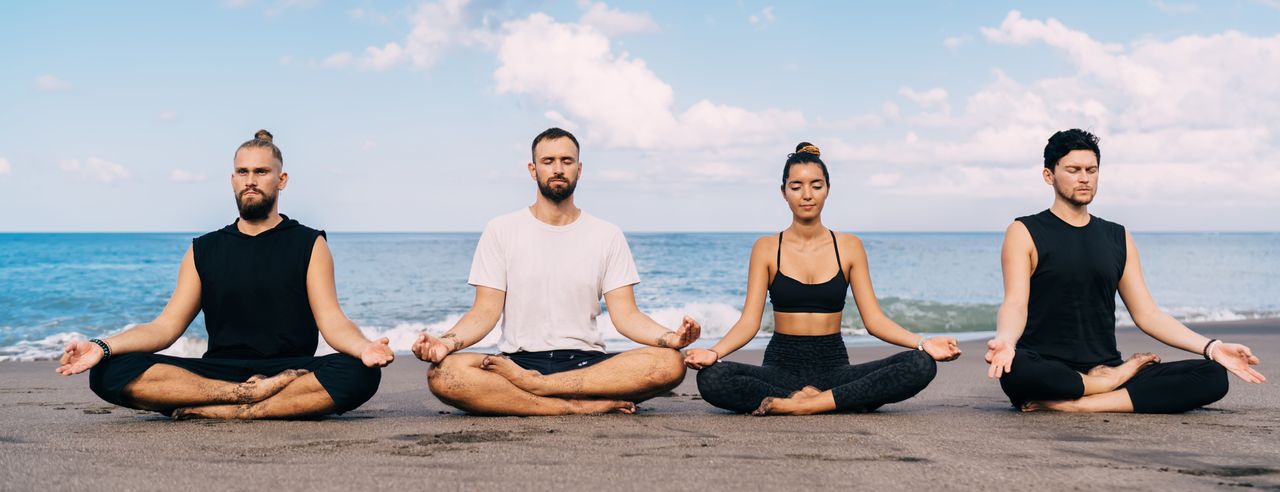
point(807, 401)
point(1052, 406)
point(259, 387)
point(1122, 373)
point(525, 379)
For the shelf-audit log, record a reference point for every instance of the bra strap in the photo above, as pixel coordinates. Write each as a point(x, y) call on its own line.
point(779, 259)
point(837, 247)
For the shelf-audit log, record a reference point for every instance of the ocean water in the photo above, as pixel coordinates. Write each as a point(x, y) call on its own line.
point(56, 287)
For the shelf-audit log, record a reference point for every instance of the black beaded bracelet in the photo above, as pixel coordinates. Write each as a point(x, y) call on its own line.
point(106, 350)
point(1205, 351)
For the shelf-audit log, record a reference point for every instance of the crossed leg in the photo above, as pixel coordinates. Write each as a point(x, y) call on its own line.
point(495, 385)
point(1102, 389)
point(164, 387)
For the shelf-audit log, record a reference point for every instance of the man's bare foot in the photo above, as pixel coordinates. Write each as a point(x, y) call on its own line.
point(525, 379)
point(212, 412)
point(259, 387)
point(1122, 373)
point(586, 407)
point(803, 402)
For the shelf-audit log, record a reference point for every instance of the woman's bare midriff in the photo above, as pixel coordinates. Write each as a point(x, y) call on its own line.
point(806, 324)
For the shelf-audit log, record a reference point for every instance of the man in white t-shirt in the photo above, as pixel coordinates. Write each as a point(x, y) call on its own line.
point(542, 271)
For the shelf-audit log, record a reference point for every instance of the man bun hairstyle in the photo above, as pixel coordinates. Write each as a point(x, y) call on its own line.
point(263, 139)
point(1063, 142)
point(806, 153)
point(552, 134)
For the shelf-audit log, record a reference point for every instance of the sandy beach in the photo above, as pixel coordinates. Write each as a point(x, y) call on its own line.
point(960, 433)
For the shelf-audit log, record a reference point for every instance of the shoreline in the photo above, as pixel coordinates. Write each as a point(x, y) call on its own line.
point(960, 431)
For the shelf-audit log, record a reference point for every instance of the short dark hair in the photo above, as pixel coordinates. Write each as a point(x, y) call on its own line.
point(552, 134)
point(806, 153)
point(1063, 142)
point(263, 139)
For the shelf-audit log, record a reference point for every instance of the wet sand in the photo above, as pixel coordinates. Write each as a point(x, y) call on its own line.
point(960, 433)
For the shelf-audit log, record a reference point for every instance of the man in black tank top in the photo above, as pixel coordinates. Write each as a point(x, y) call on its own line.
point(265, 285)
point(1055, 345)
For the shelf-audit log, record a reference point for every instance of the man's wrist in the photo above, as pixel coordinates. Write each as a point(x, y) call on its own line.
point(102, 345)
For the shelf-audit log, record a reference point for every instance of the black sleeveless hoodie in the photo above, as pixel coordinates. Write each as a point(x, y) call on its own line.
point(253, 291)
point(1071, 313)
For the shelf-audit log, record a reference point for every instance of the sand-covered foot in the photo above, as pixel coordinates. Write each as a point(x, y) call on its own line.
point(587, 407)
point(802, 402)
point(259, 387)
point(525, 379)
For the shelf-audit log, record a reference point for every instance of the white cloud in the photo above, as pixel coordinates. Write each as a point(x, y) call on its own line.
point(167, 116)
point(50, 83)
point(762, 19)
point(616, 97)
point(613, 21)
point(953, 43)
point(94, 168)
point(360, 14)
point(1191, 119)
point(560, 121)
point(5, 166)
point(1275, 4)
point(436, 27)
point(337, 60)
point(184, 176)
point(369, 145)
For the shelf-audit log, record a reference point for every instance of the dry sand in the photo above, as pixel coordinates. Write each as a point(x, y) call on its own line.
point(960, 433)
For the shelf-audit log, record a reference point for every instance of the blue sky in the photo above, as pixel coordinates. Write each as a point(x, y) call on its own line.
point(416, 116)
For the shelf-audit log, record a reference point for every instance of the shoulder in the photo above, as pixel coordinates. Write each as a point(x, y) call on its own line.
point(1110, 226)
point(846, 240)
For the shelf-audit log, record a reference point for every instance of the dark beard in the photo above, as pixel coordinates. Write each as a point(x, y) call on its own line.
point(253, 212)
point(556, 195)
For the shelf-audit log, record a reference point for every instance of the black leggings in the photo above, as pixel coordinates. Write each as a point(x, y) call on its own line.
point(1167, 387)
point(793, 362)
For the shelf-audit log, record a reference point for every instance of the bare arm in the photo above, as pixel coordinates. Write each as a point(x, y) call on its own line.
point(478, 321)
point(748, 323)
point(157, 335)
point(339, 331)
point(1151, 320)
point(879, 325)
point(637, 326)
point(1017, 263)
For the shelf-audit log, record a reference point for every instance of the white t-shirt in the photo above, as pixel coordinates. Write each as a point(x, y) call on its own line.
point(554, 277)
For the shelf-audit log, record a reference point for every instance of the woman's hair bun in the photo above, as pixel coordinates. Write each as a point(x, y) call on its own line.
point(262, 135)
point(808, 148)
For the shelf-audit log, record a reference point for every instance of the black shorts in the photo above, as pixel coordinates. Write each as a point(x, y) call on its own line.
point(553, 361)
point(347, 380)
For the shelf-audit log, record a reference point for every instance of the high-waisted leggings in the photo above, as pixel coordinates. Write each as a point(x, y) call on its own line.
point(793, 362)
point(1167, 387)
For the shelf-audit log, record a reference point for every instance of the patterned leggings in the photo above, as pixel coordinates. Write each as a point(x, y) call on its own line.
point(793, 362)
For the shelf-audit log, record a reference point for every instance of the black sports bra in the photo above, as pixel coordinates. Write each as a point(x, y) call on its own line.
point(789, 295)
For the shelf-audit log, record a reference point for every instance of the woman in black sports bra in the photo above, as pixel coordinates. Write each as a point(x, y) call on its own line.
point(806, 367)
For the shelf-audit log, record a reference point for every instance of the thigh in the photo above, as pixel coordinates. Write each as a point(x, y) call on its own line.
point(347, 380)
point(1172, 387)
point(828, 378)
point(1033, 377)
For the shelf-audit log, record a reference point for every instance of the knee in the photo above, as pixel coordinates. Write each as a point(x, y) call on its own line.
point(105, 379)
point(443, 377)
point(1216, 382)
point(349, 382)
point(924, 367)
point(667, 369)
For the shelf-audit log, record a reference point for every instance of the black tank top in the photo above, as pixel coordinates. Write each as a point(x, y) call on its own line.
point(253, 291)
point(1071, 313)
point(789, 295)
